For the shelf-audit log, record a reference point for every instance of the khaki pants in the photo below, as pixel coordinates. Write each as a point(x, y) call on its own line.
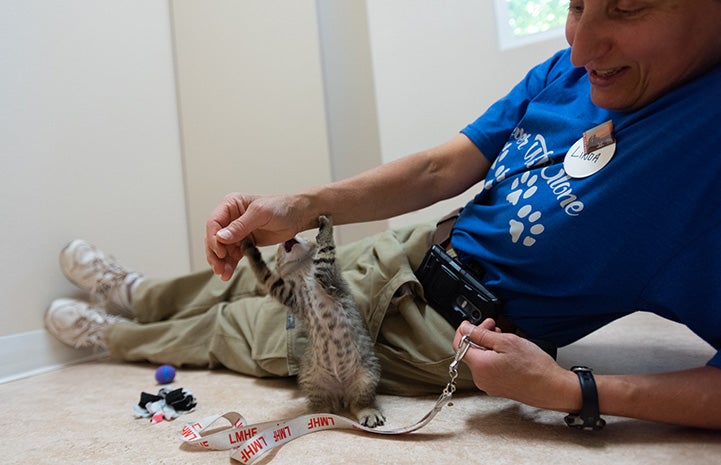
point(199, 320)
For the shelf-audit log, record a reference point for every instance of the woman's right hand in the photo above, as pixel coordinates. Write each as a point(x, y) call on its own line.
point(265, 220)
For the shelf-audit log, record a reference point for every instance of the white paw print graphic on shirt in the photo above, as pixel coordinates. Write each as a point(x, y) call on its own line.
point(498, 169)
point(528, 226)
point(525, 227)
point(527, 190)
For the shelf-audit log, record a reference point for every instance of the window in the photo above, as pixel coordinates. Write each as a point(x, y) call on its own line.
point(523, 21)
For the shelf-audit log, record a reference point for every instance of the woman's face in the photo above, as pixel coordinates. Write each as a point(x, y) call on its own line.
point(636, 50)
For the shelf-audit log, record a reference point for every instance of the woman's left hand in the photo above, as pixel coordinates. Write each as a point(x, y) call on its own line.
point(515, 368)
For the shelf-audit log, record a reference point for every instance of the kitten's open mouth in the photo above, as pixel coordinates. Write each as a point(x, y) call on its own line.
point(289, 245)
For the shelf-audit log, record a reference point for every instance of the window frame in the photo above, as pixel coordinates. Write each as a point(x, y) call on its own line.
point(508, 40)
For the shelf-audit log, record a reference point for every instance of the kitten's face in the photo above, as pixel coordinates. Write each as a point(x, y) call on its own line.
point(294, 255)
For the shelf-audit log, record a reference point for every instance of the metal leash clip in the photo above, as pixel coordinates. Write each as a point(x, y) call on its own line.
point(463, 346)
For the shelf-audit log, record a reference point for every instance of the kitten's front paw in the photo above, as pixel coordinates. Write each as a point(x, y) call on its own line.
point(325, 222)
point(248, 248)
point(370, 417)
point(325, 229)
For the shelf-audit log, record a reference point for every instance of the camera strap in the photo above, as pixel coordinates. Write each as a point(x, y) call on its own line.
point(444, 229)
point(247, 443)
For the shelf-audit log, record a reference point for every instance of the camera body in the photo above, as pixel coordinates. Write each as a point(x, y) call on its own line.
point(453, 291)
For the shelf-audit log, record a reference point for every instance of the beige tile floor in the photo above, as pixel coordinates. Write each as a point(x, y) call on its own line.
point(82, 414)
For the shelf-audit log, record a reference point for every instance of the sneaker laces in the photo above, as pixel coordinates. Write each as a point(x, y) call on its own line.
point(112, 276)
point(92, 326)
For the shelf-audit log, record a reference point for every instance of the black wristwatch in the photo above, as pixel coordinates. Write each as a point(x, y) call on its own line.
point(589, 417)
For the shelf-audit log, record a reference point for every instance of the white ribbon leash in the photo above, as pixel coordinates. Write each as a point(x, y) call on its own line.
point(248, 442)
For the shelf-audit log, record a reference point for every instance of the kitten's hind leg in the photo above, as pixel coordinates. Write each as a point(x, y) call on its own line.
point(361, 398)
point(323, 403)
point(368, 416)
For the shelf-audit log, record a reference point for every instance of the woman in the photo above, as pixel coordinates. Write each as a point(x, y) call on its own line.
point(600, 199)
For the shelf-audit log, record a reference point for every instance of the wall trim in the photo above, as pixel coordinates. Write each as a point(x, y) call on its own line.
point(35, 352)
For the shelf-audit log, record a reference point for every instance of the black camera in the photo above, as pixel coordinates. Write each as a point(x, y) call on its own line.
point(453, 291)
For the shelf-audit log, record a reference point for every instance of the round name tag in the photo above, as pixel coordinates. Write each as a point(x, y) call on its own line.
point(578, 164)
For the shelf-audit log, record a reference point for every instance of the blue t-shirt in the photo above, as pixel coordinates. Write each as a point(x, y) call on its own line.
point(569, 255)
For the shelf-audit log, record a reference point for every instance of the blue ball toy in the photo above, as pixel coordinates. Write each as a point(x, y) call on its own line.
point(165, 374)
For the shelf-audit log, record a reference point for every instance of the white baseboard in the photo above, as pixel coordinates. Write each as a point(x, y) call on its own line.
point(34, 352)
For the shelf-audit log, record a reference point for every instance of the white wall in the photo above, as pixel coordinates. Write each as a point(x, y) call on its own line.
point(437, 66)
point(352, 116)
point(89, 138)
point(89, 147)
point(250, 89)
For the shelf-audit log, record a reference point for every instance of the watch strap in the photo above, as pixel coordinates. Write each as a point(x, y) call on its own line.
point(589, 417)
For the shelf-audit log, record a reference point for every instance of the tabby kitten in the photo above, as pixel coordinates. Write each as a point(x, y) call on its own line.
point(339, 369)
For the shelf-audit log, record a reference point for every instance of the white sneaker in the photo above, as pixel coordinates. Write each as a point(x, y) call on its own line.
point(109, 283)
point(77, 324)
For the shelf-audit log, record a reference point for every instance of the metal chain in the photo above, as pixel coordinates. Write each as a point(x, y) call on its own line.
point(463, 347)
